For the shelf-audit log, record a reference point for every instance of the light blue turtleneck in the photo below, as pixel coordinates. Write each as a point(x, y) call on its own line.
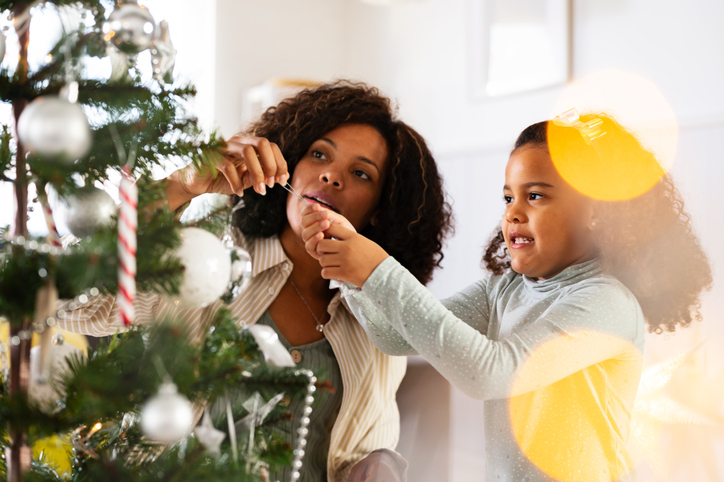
point(557, 361)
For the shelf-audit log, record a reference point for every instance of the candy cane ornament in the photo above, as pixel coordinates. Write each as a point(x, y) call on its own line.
point(53, 237)
point(127, 225)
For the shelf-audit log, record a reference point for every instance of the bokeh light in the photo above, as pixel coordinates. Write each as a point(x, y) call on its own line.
point(636, 103)
point(606, 163)
point(576, 429)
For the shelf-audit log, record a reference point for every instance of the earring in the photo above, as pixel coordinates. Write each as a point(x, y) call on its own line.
point(593, 223)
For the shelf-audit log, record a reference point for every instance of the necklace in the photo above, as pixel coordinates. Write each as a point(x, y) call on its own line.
point(320, 325)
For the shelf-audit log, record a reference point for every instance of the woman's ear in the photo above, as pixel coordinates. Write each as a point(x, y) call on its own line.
point(373, 220)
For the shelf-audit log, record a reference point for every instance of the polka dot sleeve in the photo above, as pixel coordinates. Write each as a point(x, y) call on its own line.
point(586, 325)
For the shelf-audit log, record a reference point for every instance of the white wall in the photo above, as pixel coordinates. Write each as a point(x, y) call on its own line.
point(260, 39)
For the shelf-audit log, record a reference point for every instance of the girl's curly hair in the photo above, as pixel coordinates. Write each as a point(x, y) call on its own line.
point(646, 242)
point(413, 217)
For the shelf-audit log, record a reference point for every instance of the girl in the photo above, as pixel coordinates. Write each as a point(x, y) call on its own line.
point(553, 339)
point(342, 146)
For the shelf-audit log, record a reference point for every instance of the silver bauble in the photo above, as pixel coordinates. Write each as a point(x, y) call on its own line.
point(167, 417)
point(241, 270)
point(2, 46)
point(130, 28)
point(207, 268)
point(89, 210)
point(54, 129)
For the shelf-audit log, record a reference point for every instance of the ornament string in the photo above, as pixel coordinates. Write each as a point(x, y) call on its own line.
point(293, 191)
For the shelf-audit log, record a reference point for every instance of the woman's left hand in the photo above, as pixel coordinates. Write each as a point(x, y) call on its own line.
point(378, 466)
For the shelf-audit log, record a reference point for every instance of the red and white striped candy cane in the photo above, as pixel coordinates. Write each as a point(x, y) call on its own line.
point(53, 236)
point(127, 223)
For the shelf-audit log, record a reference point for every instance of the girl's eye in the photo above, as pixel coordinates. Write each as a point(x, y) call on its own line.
point(361, 175)
point(318, 155)
point(508, 199)
point(534, 196)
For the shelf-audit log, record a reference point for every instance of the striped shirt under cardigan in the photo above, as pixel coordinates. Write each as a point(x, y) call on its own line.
point(368, 418)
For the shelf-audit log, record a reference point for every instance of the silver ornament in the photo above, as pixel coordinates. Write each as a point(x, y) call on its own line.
point(2, 46)
point(241, 269)
point(167, 417)
point(207, 268)
point(89, 210)
point(130, 28)
point(163, 55)
point(54, 129)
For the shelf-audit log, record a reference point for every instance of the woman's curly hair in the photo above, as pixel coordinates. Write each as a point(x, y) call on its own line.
point(646, 242)
point(413, 217)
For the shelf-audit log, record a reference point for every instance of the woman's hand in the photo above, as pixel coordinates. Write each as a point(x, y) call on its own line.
point(342, 253)
point(247, 162)
point(378, 466)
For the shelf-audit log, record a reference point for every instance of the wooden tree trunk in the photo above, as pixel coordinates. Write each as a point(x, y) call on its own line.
point(20, 454)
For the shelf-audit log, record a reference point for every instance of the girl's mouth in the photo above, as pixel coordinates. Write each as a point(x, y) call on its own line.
point(517, 241)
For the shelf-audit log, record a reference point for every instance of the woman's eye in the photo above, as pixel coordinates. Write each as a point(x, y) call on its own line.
point(361, 174)
point(534, 196)
point(318, 154)
point(508, 199)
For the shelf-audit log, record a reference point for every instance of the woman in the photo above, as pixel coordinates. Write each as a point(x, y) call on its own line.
point(342, 148)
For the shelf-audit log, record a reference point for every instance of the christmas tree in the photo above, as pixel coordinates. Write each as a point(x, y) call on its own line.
point(127, 407)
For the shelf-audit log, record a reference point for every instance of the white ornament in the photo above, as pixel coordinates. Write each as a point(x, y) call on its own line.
point(167, 417)
point(89, 210)
point(163, 55)
point(207, 268)
point(54, 128)
point(130, 28)
point(43, 390)
point(209, 436)
point(269, 344)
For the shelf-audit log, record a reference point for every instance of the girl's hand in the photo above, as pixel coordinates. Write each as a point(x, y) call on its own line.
point(247, 162)
point(315, 221)
point(349, 257)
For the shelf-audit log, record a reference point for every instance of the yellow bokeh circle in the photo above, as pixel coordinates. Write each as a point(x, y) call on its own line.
point(576, 428)
point(610, 165)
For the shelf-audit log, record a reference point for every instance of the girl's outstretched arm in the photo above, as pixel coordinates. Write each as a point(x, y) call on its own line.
point(597, 321)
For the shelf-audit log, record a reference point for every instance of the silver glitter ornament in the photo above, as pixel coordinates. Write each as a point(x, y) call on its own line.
point(130, 28)
point(167, 417)
point(89, 210)
point(55, 129)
